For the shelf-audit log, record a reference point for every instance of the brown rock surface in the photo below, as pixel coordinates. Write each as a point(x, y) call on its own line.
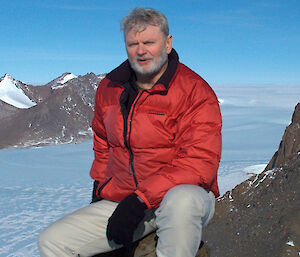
point(146, 248)
point(290, 143)
point(261, 216)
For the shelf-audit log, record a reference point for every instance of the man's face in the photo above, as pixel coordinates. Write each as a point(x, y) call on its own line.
point(148, 50)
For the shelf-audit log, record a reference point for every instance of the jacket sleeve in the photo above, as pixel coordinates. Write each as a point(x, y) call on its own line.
point(198, 145)
point(100, 141)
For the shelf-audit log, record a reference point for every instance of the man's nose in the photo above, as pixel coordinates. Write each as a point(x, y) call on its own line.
point(141, 49)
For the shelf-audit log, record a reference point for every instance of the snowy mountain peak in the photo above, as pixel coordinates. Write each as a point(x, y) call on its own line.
point(66, 77)
point(8, 76)
point(10, 93)
point(63, 79)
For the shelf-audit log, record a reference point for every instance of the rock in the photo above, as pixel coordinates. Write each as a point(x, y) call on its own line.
point(290, 143)
point(261, 216)
point(146, 248)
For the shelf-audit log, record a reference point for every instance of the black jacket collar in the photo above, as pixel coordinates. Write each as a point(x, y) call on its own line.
point(123, 73)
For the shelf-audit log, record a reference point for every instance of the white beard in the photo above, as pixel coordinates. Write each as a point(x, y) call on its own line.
point(154, 68)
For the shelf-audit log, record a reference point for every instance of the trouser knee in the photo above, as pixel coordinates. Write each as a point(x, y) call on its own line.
point(43, 239)
point(183, 212)
point(185, 203)
point(50, 240)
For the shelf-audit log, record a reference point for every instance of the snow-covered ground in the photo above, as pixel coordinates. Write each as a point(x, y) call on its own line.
point(40, 185)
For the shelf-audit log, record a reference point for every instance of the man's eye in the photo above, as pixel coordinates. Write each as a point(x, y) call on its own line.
point(149, 43)
point(132, 44)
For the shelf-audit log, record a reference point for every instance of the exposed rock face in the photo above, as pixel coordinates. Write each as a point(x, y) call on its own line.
point(35, 93)
point(62, 114)
point(261, 216)
point(6, 110)
point(290, 144)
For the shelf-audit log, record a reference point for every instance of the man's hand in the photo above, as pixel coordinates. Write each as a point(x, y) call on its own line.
point(125, 219)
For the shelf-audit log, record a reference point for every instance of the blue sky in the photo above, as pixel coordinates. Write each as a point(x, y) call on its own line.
point(226, 42)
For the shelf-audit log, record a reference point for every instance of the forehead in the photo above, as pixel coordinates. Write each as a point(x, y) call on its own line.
point(142, 33)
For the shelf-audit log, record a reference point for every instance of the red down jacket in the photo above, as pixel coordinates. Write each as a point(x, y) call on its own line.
point(172, 135)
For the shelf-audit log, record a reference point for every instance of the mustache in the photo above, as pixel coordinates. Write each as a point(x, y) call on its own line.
point(146, 58)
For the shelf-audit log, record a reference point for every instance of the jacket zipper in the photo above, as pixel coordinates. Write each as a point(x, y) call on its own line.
point(131, 158)
point(102, 186)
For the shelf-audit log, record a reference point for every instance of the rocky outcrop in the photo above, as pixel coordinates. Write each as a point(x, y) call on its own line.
point(290, 143)
point(261, 216)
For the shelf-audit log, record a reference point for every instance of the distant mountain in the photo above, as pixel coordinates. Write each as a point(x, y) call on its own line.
point(56, 113)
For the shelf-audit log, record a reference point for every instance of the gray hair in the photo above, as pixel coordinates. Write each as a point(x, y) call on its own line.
point(140, 18)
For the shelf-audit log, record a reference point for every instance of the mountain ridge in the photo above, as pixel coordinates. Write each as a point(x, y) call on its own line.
point(59, 103)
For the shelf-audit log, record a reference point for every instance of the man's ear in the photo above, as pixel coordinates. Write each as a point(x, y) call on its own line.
point(169, 44)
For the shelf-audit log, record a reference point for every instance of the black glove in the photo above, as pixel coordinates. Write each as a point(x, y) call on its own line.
point(125, 219)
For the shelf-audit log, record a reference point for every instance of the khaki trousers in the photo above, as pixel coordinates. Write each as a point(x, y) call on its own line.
point(178, 222)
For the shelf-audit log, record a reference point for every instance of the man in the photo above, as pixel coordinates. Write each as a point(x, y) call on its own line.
point(157, 144)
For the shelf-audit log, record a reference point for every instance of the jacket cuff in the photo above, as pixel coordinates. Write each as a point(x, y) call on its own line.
point(142, 196)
